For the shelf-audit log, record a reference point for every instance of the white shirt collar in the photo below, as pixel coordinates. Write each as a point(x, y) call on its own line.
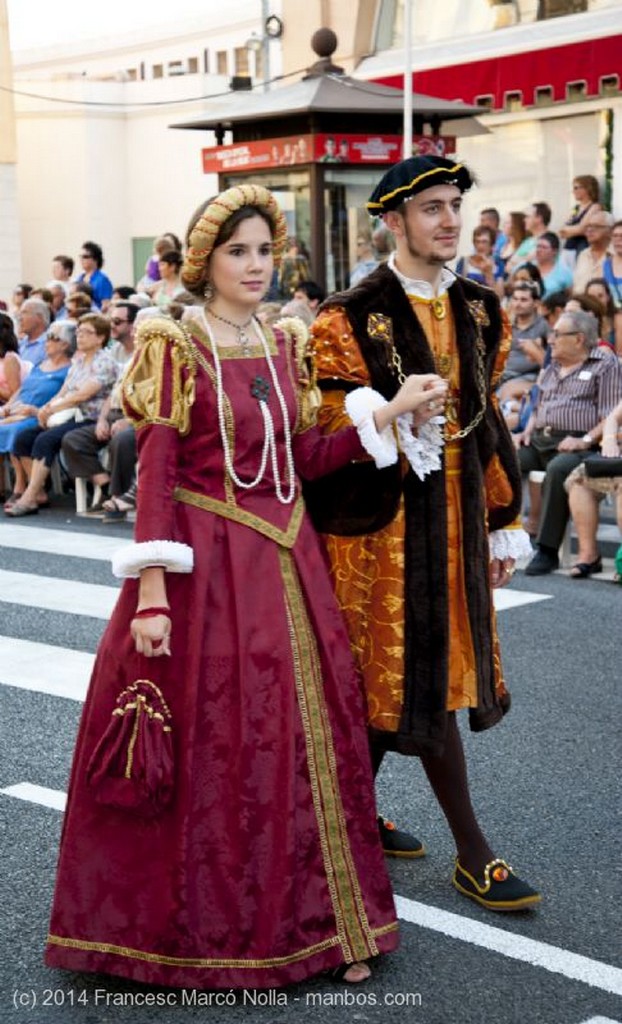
point(422, 289)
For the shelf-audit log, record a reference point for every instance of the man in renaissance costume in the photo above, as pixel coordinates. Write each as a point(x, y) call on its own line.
point(415, 554)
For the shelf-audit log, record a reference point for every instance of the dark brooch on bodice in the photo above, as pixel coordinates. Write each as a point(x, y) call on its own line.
point(260, 388)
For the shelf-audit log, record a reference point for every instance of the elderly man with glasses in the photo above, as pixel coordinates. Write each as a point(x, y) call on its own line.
point(576, 393)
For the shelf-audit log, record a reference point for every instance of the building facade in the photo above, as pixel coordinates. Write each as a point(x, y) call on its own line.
point(97, 157)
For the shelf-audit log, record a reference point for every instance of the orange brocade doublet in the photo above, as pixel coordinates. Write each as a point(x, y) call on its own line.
point(368, 571)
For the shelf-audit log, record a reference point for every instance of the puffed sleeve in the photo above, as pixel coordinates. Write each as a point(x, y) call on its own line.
point(157, 397)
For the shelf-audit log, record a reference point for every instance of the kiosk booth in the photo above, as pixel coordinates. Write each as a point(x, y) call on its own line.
point(320, 145)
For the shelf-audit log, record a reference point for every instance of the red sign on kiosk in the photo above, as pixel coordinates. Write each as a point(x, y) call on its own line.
point(321, 148)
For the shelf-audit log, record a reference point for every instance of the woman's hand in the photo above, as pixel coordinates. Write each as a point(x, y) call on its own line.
point(501, 571)
point(609, 446)
point(152, 635)
point(418, 390)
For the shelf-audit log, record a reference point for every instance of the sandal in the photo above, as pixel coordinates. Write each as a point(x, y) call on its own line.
point(10, 501)
point(339, 973)
point(113, 509)
point(582, 570)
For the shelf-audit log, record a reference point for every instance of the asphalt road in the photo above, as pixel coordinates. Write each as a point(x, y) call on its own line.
point(545, 782)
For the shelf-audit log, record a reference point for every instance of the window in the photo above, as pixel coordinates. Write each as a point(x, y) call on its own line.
point(221, 62)
point(559, 8)
point(158, 71)
point(241, 63)
point(193, 65)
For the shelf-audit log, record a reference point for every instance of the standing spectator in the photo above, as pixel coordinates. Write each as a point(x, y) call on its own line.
point(576, 392)
point(415, 565)
point(92, 260)
point(590, 261)
point(169, 286)
point(537, 220)
point(515, 233)
point(33, 321)
point(365, 260)
point(163, 243)
point(586, 194)
point(62, 272)
point(555, 275)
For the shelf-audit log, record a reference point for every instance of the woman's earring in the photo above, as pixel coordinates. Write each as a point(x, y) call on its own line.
point(208, 291)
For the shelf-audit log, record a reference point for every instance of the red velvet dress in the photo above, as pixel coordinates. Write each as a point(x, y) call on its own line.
point(266, 866)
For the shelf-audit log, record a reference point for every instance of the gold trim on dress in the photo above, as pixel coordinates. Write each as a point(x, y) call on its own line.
point(356, 935)
point(285, 538)
point(220, 962)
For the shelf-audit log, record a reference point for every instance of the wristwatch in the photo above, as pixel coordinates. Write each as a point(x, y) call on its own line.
point(588, 439)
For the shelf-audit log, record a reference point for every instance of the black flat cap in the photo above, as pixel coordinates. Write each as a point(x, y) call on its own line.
point(411, 176)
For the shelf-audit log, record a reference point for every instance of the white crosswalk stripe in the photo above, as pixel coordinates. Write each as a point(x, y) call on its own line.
point(58, 595)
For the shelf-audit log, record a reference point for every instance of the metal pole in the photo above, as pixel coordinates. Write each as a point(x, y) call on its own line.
point(265, 42)
point(408, 88)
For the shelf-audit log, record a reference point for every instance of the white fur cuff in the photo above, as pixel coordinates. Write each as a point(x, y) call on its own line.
point(510, 544)
point(424, 450)
point(360, 407)
point(128, 561)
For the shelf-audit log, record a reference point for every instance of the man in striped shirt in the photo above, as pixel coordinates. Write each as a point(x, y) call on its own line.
point(576, 392)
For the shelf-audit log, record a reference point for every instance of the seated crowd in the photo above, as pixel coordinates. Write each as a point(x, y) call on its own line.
point(63, 348)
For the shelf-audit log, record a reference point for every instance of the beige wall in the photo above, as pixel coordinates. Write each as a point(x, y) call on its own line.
point(10, 255)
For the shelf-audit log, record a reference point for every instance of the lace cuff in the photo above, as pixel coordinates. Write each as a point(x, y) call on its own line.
point(424, 450)
point(510, 544)
point(360, 407)
point(128, 561)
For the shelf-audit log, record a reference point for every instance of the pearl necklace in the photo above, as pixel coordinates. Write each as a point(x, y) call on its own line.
point(241, 329)
point(269, 445)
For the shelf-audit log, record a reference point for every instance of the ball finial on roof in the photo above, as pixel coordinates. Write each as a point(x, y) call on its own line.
point(324, 42)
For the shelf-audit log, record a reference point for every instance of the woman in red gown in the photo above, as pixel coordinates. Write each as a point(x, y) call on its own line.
point(254, 860)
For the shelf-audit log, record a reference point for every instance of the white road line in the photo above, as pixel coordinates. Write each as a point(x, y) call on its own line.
point(57, 595)
point(504, 598)
point(37, 795)
point(601, 1020)
point(517, 947)
point(45, 668)
point(60, 542)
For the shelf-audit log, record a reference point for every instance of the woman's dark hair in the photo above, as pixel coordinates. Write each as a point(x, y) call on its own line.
point(485, 229)
point(534, 274)
point(610, 308)
point(590, 184)
point(124, 291)
point(173, 257)
point(518, 230)
point(95, 251)
point(8, 341)
point(23, 289)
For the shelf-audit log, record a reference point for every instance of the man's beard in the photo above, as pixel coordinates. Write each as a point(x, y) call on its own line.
point(432, 258)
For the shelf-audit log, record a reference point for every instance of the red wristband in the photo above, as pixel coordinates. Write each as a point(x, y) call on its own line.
point(148, 613)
